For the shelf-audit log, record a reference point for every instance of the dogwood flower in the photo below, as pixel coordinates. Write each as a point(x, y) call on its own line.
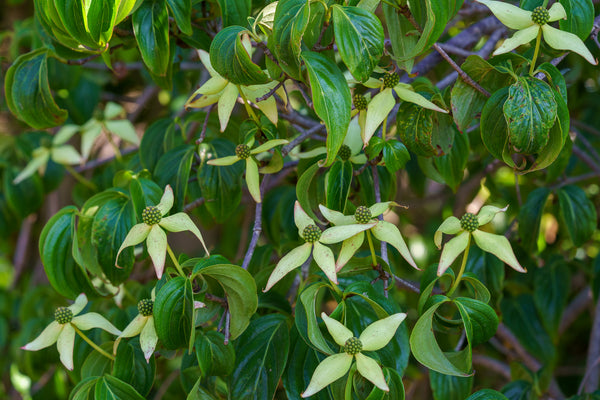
point(382, 230)
point(142, 325)
point(243, 152)
point(58, 151)
point(315, 239)
point(62, 330)
point(150, 230)
point(531, 24)
point(466, 227)
point(219, 90)
point(374, 337)
point(383, 102)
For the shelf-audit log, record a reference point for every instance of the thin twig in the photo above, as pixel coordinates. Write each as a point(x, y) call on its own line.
point(491, 364)
point(588, 146)
point(205, 124)
point(589, 161)
point(465, 77)
point(270, 92)
point(591, 377)
point(572, 312)
point(194, 204)
point(226, 332)
point(20, 256)
point(307, 133)
point(377, 190)
point(257, 226)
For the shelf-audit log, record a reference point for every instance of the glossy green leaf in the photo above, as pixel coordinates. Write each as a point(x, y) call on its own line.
point(173, 168)
point(337, 184)
point(555, 78)
point(131, 367)
point(530, 216)
point(487, 394)
point(74, 19)
point(480, 320)
point(580, 17)
point(151, 28)
point(231, 60)
point(56, 241)
point(25, 197)
point(578, 213)
point(157, 139)
point(100, 20)
point(84, 390)
point(530, 112)
point(95, 364)
point(427, 351)
point(331, 98)
point(306, 317)
point(221, 185)
point(359, 38)
point(235, 12)
point(521, 317)
point(292, 18)
point(395, 155)
point(214, 357)
point(402, 36)
point(240, 290)
point(110, 388)
point(447, 387)
point(182, 12)
point(173, 313)
point(261, 357)
point(551, 290)
point(28, 93)
point(488, 269)
point(126, 7)
point(493, 124)
point(303, 190)
point(451, 166)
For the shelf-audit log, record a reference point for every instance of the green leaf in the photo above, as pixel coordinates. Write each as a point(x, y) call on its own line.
point(494, 131)
point(521, 317)
point(221, 185)
point(337, 183)
point(151, 28)
point(157, 139)
point(395, 155)
point(530, 112)
point(96, 364)
point(214, 357)
point(240, 290)
point(451, 166)
point(403, 36)
point(292, 17)
point(235, 12)
point(306, 317)
point(488, 268)
point(487, 394)
point(359, 38)
point(173, 168)
point(131, 367)
point(447, 387)
point(28, 93)
point(100, 20)
point(231, 60)
point(261, 357)
point(56, 242)
point(84, 389)
point(578, 214)
point(331, 98)
point(110, 388)
point(530, 216)
point(174, 312)
point(551, 290)
point(74, 20)
point(182, 12)
point(555, 77)
point(580, 17)
point(25, 197)
point(427, 351)
point(480, 320)
point(303, 190)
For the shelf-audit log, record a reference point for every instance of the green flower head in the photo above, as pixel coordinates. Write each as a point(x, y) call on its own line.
point(529, 24)
point(467, 227)
point(143, 325)
point(374, 337)
point(62, 330)
point(151, 230)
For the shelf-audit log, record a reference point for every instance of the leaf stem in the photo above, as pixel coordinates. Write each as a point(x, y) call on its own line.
point(174, 259)
point(462, 268)
point(538, 41)
point(94, 345)
point(373, 256)
point(249, 109)
point(80, 177)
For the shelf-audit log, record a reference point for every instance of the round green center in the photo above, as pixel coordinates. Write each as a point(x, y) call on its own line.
point(151, 215)
point(63, 315)
point(363, 215)
point(469, 222)
point(311, 233)
point(145, 307)
point(360, 102)
point(390, 80)
point(242, 151)
point(353, 346)
point(345, 153)
point(540, 15)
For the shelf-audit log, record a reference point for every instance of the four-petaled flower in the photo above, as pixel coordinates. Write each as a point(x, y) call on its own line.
point(311, 233)
point(498, 245)
point(374, 337)
point(382, 230)
point(143, 325)
point(150, 230)
point(219, 90)
point(244, 152)
point(62, 330)
point(530, 24)
point(383, 102)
